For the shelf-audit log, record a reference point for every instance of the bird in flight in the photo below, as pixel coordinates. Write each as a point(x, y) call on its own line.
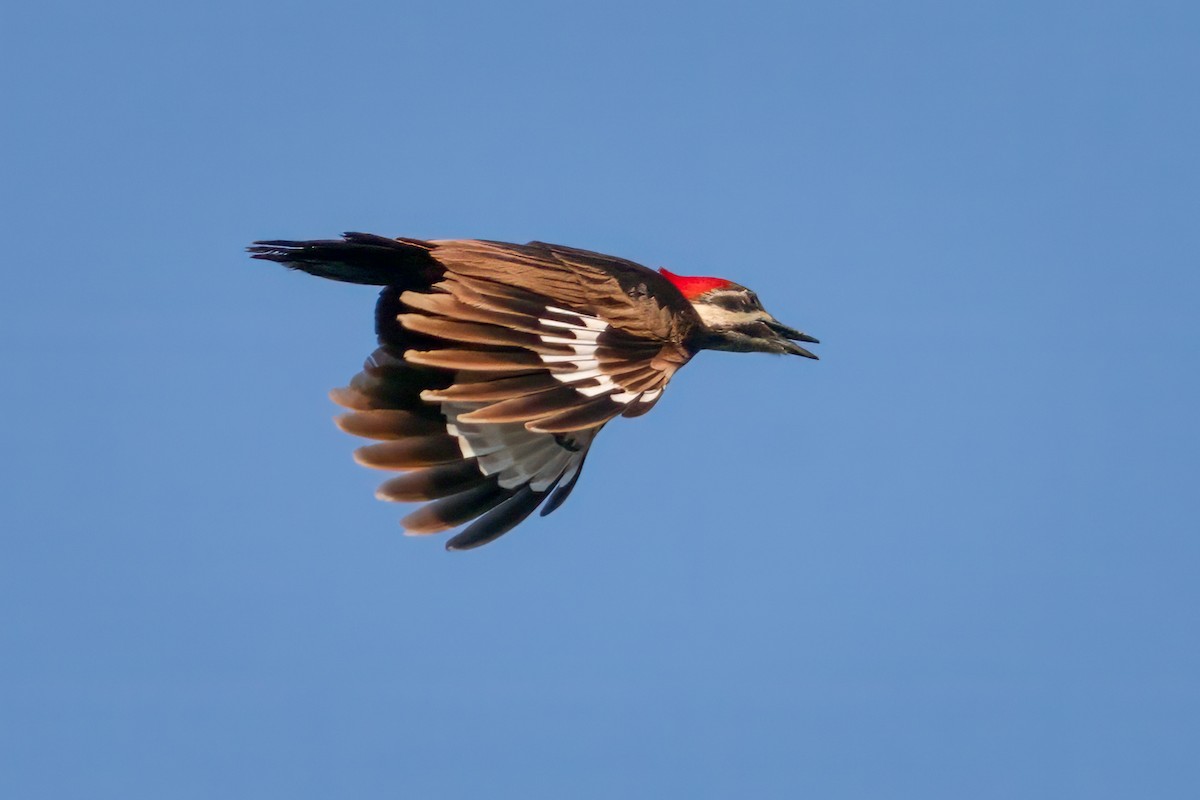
point(499, 363)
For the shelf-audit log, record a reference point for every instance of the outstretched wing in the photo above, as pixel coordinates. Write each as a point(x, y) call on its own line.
point(492, 476)
point(485, 392)
point(522, 358)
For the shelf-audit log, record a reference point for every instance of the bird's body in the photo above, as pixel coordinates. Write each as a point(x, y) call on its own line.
point(499, 363)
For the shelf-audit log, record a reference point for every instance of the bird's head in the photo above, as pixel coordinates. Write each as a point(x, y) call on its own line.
point(735, 320)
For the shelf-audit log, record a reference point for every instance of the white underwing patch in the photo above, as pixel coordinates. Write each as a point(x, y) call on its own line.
point(511, 451)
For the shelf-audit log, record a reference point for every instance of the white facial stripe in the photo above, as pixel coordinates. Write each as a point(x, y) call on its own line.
point(717, 317)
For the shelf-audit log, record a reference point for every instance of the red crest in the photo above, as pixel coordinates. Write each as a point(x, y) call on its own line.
point(692, 286)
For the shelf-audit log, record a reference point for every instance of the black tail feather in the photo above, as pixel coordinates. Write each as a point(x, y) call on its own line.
point(356, 258)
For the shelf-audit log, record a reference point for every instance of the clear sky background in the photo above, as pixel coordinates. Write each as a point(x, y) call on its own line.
point(957, 557)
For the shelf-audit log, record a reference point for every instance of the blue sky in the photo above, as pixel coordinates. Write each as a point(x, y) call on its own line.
point(957, 557)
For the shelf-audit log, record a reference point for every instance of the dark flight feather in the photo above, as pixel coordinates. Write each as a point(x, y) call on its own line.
point(529, 408)
point(410, 453)
point(497, 522)
point(496, 389)
point(433, 483)
point(452, 511)
point(586, 415)
point(388, 423)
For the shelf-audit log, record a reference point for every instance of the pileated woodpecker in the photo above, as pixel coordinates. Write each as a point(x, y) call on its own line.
point(499, 363)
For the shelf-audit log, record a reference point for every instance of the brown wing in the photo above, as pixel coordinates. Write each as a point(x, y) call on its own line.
point(486, 392)
point(492, 476)
point(523, 358)
point(628, 296)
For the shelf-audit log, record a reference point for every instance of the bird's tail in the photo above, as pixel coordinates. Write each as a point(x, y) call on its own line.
point(356, 258)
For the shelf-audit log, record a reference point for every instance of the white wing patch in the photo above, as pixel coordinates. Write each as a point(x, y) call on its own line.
point(517, 455)
point(583, 364)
